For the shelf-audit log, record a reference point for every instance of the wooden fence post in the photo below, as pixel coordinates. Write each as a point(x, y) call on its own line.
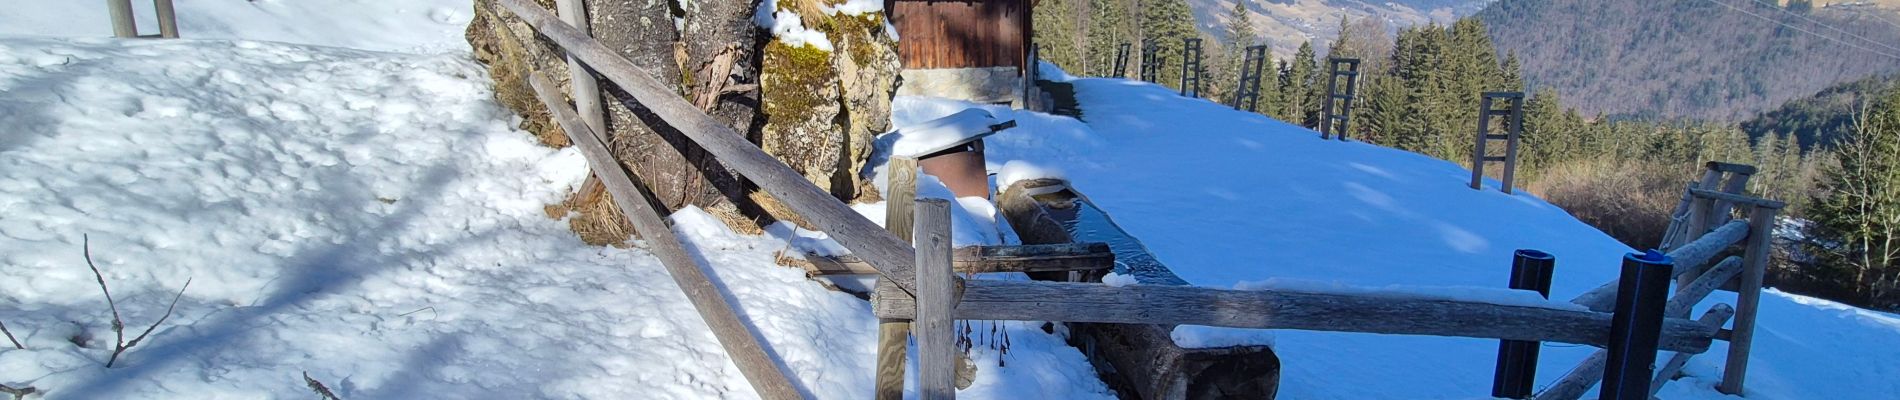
point(584, 89)
point(123, 24)
point(1761, 222)
point(1517, 359)
point(936, 302)
point(893, 335)
point(1640, 298)
point(167, 19)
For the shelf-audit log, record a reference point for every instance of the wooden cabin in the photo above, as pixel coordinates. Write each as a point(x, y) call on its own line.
point(974, 50)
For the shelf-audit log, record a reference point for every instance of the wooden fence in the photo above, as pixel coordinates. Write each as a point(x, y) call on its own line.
point(919, 290)
point(124, 26)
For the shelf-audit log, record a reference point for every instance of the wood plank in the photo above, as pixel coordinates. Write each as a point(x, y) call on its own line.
point(893, 341)
point(1747, 300)
point(1738, 199)
point(1280, 309)
point(1087, 257)
point(1689, 295)
point(892, 256)
point(936, 302)
point(167, 19)
point(1687, 257)
point(123, 25)
point(583, 89)
point(739, 340)
point(1716, 316)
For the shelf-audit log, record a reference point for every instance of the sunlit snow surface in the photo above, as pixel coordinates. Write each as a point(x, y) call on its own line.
point(372, 219)
point(1237, 200)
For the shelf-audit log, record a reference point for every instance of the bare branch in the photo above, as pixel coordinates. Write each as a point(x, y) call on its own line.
point(18, 393)
point(318, 387)
point(16, 342)
point(148, 330)
point(118, 325)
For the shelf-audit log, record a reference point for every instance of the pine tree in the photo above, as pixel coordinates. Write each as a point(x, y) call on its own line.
point(1303, 88)
point(1240, 34)
point(1166, 23)
point(1108, 29)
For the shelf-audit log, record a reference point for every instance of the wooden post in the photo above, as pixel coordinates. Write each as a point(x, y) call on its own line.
point(893, 335)
point(936, 302)
point(1761, 222)
point(123, 24)
point(1636, 326)
point(1477, 149)
point(1515, 130)
point(167, 19)
point(739, 340)
point(1716, 316)
point(1517, 359)
point(584, 89)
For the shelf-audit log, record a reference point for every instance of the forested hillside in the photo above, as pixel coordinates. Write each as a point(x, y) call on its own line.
point(1717, 60)
point(1822, 119)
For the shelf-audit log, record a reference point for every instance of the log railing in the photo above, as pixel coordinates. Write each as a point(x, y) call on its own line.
point(933, 297)
point(1696, 279)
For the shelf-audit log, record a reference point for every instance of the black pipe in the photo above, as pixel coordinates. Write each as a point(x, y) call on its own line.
point(1517, 359)
point(1636, 325)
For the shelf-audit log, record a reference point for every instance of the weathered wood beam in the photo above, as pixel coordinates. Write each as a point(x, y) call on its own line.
point(1688, 258)
point(1689, 295)
point(892, 257)
point(739, 340)
point(937, 293)
point(1716, 316)
point(1279, 309)
point(981, 259)
point(1738, 199)
point(893, 335)
point(1761, 222)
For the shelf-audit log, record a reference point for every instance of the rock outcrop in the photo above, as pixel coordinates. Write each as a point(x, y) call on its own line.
point(815, 110)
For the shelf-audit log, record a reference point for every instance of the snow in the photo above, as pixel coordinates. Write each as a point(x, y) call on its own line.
point(1018, 170)
point(917, 140)
point(410, 26)
point(788, 27)
point(375, 220)
point(1237, 200)
point(854, 7)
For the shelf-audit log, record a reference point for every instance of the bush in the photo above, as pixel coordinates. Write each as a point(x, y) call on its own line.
point(1628, 199)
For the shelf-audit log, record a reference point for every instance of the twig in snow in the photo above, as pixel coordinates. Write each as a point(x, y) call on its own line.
point(16, 342)
point(118, 325)
point(19, 393)
point(315, 386)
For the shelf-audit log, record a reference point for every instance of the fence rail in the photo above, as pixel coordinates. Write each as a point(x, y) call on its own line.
point(918, 284)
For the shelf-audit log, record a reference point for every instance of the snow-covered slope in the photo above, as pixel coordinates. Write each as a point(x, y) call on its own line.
point(1234, 199)
point(412, 26)
point(372, 219)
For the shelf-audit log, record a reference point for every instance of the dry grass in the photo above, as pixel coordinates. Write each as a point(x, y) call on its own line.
point(1630, 200)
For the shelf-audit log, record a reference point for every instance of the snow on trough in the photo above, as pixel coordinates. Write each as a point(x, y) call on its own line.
point(372, 219)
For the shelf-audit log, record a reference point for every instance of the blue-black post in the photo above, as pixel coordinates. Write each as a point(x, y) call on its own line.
point(1517, 359)
point(1637, 325)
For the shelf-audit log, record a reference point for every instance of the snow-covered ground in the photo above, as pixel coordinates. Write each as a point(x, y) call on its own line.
point(1233, 199)
point(411, 26)
point(373, 219)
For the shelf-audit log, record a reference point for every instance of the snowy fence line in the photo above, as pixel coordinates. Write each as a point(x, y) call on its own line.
point(932, 297)
point(1696, 279)
point(123, 24)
